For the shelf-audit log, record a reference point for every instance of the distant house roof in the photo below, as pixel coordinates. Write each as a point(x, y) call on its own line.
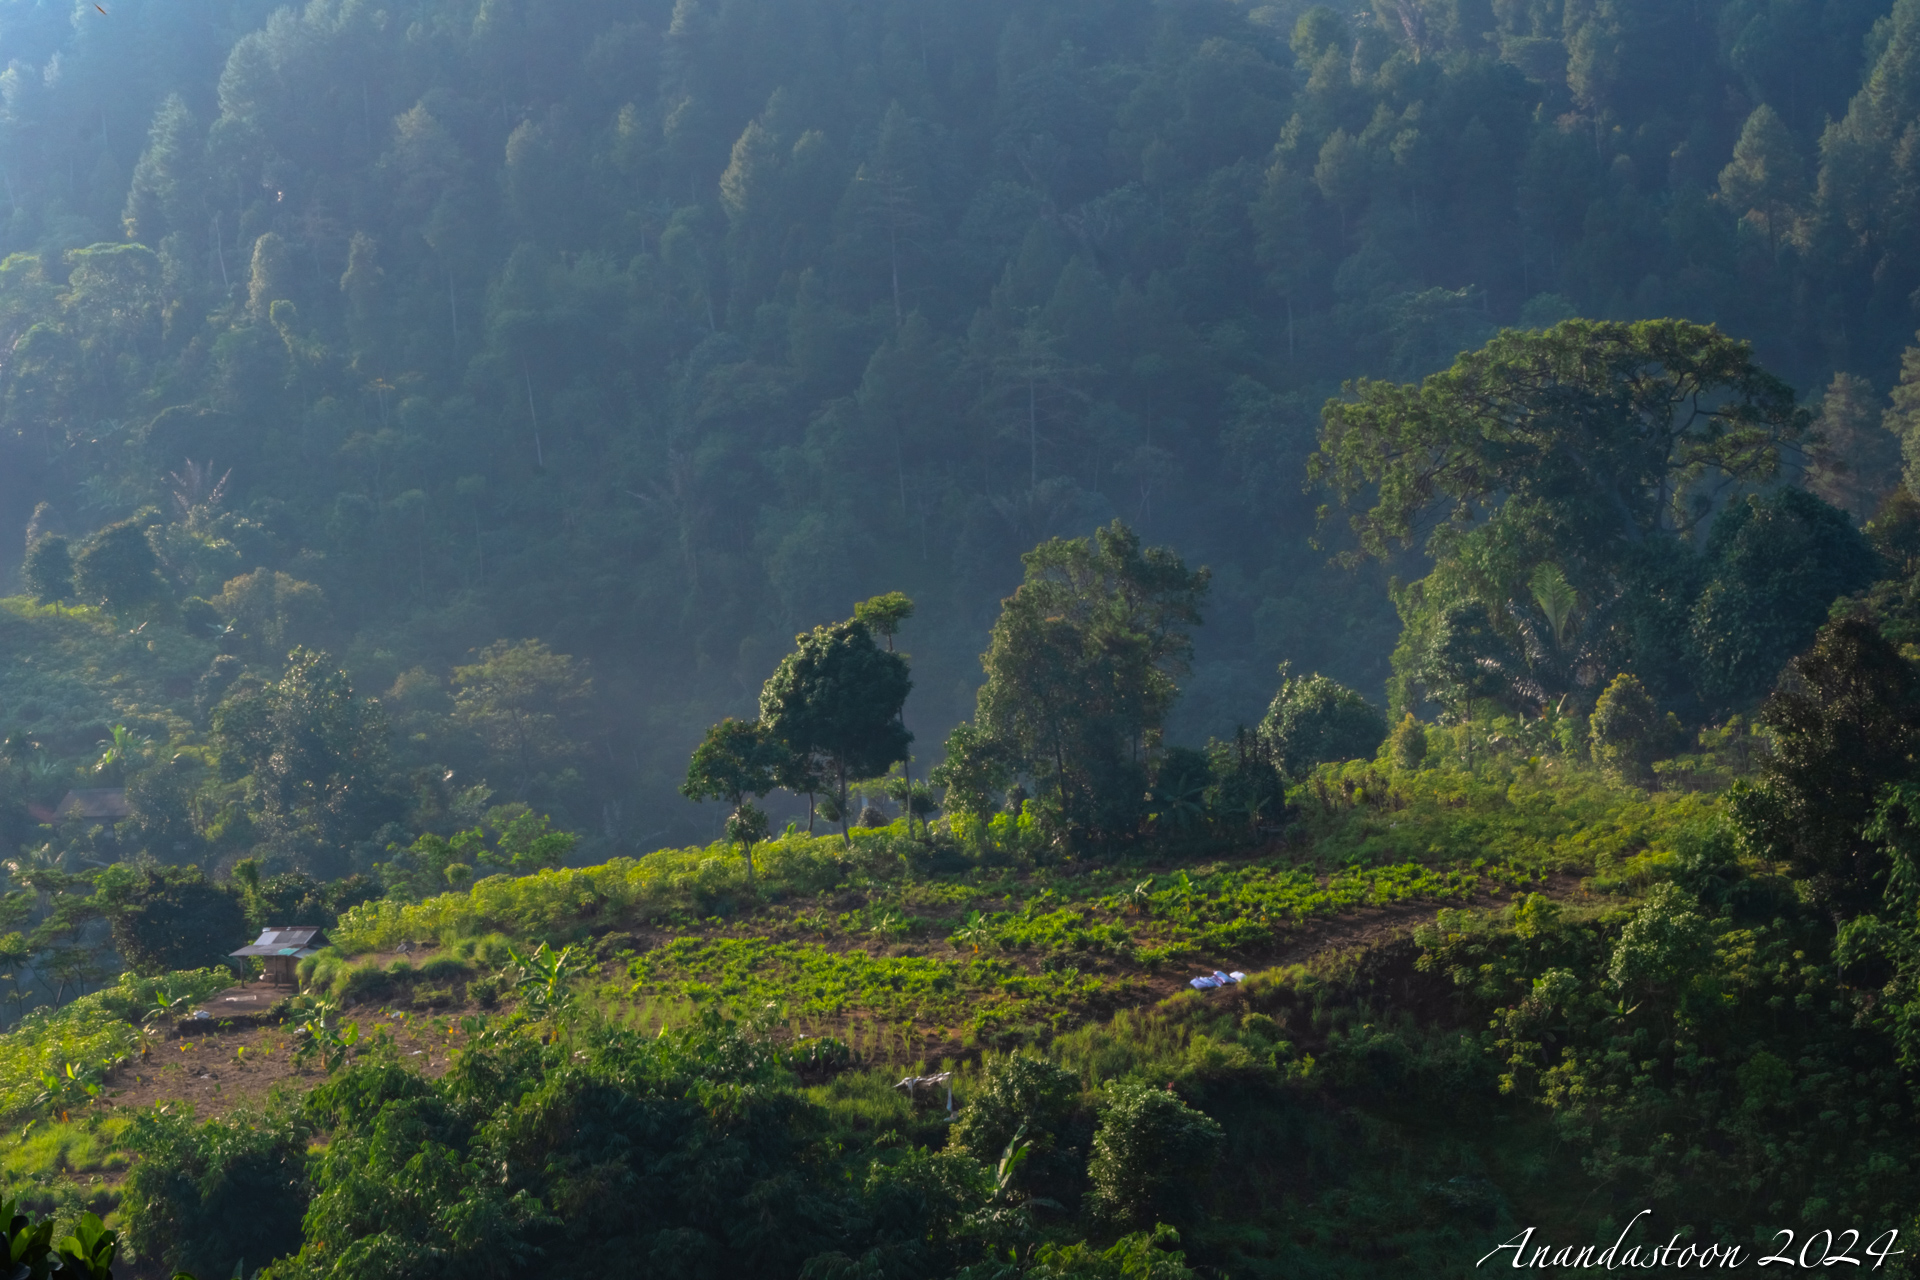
point(299, 942)
point(94, 802)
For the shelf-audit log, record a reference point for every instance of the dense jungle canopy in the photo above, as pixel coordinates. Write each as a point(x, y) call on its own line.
point(658, 333)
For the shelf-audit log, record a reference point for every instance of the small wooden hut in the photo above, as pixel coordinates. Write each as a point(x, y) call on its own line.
point(282, 950)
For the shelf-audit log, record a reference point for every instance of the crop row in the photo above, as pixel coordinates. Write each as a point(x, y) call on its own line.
point(817, 988)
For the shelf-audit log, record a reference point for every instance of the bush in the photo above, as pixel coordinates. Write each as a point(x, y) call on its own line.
point(203, 1197)
point(1407, 748)
point(490, 951)
point(119, 568)
point(443, 969)
point(1150, 1156)
point(1626, 729)
point(48, 569)
point(1314, 720)
point(1014, 1092)
point(366, 981)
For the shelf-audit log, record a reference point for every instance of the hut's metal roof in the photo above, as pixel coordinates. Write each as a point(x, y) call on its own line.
point(299, 942)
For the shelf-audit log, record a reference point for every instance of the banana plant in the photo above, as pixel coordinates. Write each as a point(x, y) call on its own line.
point(166, 1007)
point(119, 750)
point(87, 1254)
point(72, 1084)
point(325, 1037)
point(31, 1252)
point(29, 1244)
point(1015, 1155)
point(542, 980)
point(973, 933)
point(1141, 897)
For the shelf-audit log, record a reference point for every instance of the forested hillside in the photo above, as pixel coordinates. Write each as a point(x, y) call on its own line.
point(658, 334)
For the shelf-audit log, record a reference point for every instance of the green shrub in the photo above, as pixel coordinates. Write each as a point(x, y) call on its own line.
point(321, 970)
point(1407, 747)
point(366, 981)
point(443, 969)
point(203, 1197)
point(95, 1032)
point(1015, 1092)
point(1626, 729)
point(1151, 1156)
point(490, 951)
point(48, 569)
point(1314, 720)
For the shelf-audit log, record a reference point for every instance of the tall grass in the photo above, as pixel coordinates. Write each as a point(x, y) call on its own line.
point(558, 906)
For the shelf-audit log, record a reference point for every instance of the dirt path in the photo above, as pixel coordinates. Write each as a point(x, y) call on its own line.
point(220, 1065)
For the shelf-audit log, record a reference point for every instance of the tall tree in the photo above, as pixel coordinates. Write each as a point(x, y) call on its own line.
point(1081, 672)
point(314, 756)
point(1845, 723)
point(836, 701)
point(738, 759)
point(1857, 459)
point(1621, 431)
point(1767, 176)
point(525, 701)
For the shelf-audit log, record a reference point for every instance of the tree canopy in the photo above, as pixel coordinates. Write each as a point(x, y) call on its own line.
point(1618, 431)
point(836, 700)
point(1081, 670)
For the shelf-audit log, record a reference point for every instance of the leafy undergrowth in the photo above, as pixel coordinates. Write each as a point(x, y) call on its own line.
point(868, 959)
point(57, 1059)
point(72, 667)
point(915, 946)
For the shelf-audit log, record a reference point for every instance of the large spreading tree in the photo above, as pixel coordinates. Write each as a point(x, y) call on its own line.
point(1560, 480)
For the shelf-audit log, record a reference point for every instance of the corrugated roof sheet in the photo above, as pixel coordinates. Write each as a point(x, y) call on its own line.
point(300, 941)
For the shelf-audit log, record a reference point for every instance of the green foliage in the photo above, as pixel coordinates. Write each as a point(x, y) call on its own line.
point(1151, 1156)
point(1017, 1096)
point(974, 768)
point(167, 918)
point(1143, 1255)
point(976, 996)
point(47, 572)
point(313, 756)
point(1599, 422)
point(522, 845)
point(524, 703)
point(884, 614)
point(118, 569)
point(1626, 728)
point(205, 1196)
point(95, 1032)
point(836, 701)
point(1081, 669)
point(1777, 562)
point(1407, 744)
point(1313, 720)
point(738, 759)
point(1843, 723)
